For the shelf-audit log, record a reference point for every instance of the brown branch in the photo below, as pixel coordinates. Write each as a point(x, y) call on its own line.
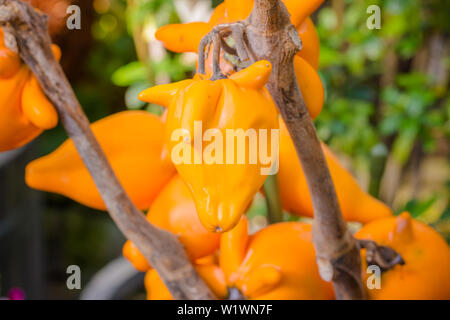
point(161, 248)
point(271, 36)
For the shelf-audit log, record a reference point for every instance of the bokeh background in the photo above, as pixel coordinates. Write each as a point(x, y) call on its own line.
point(386, 115)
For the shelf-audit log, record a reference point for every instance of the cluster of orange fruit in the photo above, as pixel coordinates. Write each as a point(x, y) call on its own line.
point(203, 204)
point(24, 110)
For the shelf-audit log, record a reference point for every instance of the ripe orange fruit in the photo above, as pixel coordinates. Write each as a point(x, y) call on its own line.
point(426, 272)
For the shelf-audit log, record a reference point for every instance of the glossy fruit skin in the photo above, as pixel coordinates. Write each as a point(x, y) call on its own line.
point(186, 38)
point(10, 62)
point(426, 272)
point(24, 109)
point(356, 205)
point(155, 287)
point(132, 254)
point(310, 85)
point(174, 210)
point(310, 43)
point(276, 263)
point(133, 144)
point(227, 105)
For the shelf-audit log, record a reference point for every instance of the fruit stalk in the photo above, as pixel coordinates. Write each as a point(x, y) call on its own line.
point(271, 36)
point(272, 193)
point(160, 248)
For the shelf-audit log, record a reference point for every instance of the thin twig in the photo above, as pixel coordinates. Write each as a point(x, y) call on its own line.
point(204, 43)
point(238, 32)
point(161, 248)
point(217, 73)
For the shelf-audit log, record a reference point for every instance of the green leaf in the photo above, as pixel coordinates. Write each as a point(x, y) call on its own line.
point(416, 208)
point(128, 74)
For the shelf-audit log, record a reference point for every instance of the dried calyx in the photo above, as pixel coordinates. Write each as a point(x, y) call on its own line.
point(384, 257)
point(217, 38)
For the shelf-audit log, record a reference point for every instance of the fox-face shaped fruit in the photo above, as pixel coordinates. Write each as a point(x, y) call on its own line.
point(425, 274)
point(228, 111)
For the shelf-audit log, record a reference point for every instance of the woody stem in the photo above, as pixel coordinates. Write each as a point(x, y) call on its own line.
point(271, 36)
point(161, 248)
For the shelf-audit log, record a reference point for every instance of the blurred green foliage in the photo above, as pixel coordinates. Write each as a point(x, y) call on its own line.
point(352, 58)
point(367, 116)
point(143, 18)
